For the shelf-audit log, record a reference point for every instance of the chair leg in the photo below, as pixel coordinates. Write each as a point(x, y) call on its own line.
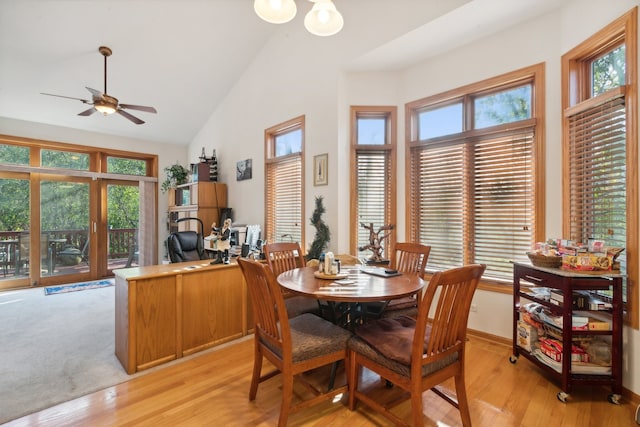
point(257, 368)
point(416, 405)
point(352, 379)
point(332, 376)
point(287, 396)
point(463, 403)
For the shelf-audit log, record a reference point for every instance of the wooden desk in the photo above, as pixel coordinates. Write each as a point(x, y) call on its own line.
point(367, 287)
point(164, 312)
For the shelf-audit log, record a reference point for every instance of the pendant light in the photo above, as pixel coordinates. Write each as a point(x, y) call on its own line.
point(324, 19)
point(275, 11)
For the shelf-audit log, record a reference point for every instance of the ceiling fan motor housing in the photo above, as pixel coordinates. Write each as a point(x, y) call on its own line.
point(106, 105)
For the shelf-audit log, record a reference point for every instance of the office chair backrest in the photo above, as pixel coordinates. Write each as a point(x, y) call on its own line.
point(185, 246)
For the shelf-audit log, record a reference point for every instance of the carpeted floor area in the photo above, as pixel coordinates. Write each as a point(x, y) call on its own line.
point(55, 348)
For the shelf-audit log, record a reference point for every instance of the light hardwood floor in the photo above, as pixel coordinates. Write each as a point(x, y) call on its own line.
point(212, 389)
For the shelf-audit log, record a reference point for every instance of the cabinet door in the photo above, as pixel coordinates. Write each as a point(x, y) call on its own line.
point(212, 307)
point(155, 321)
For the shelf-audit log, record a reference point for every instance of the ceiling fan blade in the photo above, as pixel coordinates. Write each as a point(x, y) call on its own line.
point(94, 92)
point(68, 97)
point(139, 107)
point(131, 117)
point(88, 112)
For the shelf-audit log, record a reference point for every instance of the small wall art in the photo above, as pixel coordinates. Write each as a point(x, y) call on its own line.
point(243, 170)
point(320, 169)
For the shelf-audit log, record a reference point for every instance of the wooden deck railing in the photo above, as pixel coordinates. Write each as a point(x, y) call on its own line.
point(120, 239)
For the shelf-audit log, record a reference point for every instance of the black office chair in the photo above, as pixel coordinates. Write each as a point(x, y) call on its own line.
point(186, 245)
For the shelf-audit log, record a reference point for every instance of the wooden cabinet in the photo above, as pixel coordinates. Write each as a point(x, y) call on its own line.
point(530, 285)
point(201, 200)
point(164, 312)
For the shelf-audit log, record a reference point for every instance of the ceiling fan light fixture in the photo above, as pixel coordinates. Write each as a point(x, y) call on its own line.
point(275, 11)
point(323, 19)
point(105, 107)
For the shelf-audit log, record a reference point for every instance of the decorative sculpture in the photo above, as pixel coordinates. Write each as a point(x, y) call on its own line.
point(213, 164)
point(375, 241)
point(222, 238)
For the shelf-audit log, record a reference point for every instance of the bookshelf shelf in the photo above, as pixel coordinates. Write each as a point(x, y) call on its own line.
point(565, 289)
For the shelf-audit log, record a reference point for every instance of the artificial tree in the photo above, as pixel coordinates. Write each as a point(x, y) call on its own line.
point(323, 235)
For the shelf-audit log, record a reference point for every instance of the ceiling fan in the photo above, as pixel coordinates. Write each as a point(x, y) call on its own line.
point(104, 103)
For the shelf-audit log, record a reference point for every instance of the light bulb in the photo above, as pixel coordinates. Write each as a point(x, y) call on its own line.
point(323, 16)
point(275, 11)
point(323, 19)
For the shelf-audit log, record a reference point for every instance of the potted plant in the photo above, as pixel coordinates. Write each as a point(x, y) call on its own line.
point(323, 235)
point(176, 175)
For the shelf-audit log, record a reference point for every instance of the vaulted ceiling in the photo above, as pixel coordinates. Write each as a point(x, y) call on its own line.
point(183, 56)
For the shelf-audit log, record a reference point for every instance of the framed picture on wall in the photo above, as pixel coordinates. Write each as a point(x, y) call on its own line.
point(243, 170)
point(320, 169)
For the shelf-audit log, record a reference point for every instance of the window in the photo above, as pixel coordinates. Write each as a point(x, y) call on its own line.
point(373, 142)
point(64, 159)
point(284, 182)
point(474, 155)
point(14, 155)
point(600, 193)
point(126, 166)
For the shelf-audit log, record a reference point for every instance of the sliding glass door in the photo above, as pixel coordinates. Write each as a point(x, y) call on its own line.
point(73, 213)
point(123, 213)
point(15, 219)
point(64, 228)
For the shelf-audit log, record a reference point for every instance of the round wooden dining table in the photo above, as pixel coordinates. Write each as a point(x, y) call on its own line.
point(347, 297)
point(358, 285)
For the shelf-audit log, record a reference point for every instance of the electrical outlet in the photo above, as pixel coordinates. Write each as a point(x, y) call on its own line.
point(474, 308)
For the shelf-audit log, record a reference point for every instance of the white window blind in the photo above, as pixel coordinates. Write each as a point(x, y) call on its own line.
point(597, 172)
point(373, 182)
point(284, 198)
point(474, 199)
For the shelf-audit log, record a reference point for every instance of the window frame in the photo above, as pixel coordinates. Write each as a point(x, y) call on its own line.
point(534, 74)
point(270, 161)
point(390, 115)
point(576, 92)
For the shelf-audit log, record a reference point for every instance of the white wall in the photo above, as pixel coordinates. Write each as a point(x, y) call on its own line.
point(167, 155)
point(288, 80)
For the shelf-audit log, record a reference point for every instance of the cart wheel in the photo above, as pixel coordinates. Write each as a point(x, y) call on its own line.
point(562, 396)
point(614, 398)
point(513, 358)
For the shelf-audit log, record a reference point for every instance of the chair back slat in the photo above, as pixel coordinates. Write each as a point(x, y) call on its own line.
point(283, 256)
point(270, 313)
point(448, 298)
point(409, 257)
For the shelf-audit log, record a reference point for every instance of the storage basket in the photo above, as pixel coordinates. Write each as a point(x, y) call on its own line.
point(549, 261)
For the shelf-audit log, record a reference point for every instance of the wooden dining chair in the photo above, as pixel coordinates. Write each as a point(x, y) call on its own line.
point(406, 257)
point(286, 256)
point(293, 346)
point(419, 354)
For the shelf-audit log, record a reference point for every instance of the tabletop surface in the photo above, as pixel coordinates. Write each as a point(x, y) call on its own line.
point(357, 286)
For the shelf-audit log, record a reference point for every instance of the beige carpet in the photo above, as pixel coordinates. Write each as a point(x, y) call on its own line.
point(59, 347)
point(55, 348)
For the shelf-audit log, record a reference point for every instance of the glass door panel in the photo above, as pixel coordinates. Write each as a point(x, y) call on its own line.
point(64, 228)
point(123, 222)
point(15, 221)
